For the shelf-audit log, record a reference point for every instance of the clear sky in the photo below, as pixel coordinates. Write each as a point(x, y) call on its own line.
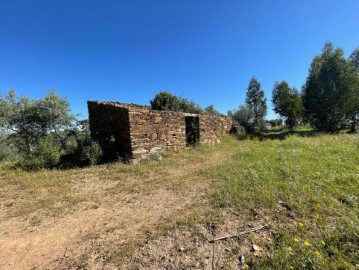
point(128, 51)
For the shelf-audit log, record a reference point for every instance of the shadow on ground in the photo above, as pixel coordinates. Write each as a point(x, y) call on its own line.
point(283, 134)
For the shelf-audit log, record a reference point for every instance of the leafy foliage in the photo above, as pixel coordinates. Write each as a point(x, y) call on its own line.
point(275, 122)
point(32, 120)
point(44, 134)
point(287, 103)
point(165, 101)
point(81, 150)
point(212, 111)
point(46, 154)
point(7, 145)
point(189, 106)
point(256, 101)
point(245, 117)
point(331, 92)
point(354, 58)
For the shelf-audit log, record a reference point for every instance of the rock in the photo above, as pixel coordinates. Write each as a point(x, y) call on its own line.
point(256, 248)
point(241, 259)
point(139, 153)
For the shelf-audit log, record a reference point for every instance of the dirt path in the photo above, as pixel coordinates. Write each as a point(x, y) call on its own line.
point(115, 213)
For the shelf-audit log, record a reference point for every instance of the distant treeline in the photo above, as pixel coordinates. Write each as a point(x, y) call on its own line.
point(328, 101)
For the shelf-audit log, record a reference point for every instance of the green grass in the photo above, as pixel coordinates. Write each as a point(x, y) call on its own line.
point(307, 187)
point(27, 192)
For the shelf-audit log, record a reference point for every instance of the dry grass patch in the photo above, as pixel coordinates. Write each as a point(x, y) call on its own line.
point(85, 217)
point(163, 213)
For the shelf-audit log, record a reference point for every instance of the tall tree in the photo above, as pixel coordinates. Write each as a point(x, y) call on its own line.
point(287, 103)
point(354, 60)
point(256, 101)
point(331, 92)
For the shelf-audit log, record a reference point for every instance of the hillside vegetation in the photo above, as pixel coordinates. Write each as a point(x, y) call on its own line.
point(161, 215)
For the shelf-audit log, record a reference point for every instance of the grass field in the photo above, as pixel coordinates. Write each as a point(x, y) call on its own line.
point(305, 188)
point(315, 183)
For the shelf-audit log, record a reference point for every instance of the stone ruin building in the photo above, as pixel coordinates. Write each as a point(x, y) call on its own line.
point(136, 132)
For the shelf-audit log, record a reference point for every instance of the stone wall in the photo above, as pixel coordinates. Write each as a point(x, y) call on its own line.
point(154, 130)
point(110, 126)
point(211, 128)
point(137, 131)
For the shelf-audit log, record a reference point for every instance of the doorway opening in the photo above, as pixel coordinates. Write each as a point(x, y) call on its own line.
point(192, 130)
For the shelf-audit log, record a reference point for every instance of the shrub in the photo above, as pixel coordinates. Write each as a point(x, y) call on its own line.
point(91, 154)
point(80, 150)
point(7, 148)
point(47, 154)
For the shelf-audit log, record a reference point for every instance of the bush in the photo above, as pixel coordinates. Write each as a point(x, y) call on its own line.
point(7, 148)
point(47, 154)
point(43, 134)
point(91, 154)
point(239, 132)
point(80, 150)
point(165, 101)
point(244, 116)
point(76, 150)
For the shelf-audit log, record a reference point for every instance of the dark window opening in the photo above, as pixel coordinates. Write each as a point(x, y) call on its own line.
point(192, 130)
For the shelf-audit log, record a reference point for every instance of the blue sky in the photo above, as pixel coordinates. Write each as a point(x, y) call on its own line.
point(128, 51)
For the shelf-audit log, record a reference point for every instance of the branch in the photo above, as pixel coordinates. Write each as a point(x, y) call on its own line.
point(239, 234)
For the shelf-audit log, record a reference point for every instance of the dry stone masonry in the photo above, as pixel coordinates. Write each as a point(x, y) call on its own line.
point(136, 132)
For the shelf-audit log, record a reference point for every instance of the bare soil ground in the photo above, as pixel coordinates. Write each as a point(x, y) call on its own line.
point(116, 208)
point(161, 215)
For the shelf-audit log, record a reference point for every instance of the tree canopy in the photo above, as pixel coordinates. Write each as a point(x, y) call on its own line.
point(354, 58)
point(287, 103)
point(244, 116)
point(165, 101)
point(256, 101)
point(212, 111)
point(34, 119)
point(331, 92)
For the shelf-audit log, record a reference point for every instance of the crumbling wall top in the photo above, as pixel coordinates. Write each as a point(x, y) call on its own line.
point(128, 106)
point(144, 108)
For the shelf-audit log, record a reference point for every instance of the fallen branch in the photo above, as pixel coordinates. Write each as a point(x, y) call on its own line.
point(239, 234)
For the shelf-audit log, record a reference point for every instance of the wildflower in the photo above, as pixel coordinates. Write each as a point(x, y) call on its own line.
point(245, 265)
point(296, 239)
point(317, 253)
point(307, 244)
point(300, 224)
point(290, 249)
point(322, 242)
